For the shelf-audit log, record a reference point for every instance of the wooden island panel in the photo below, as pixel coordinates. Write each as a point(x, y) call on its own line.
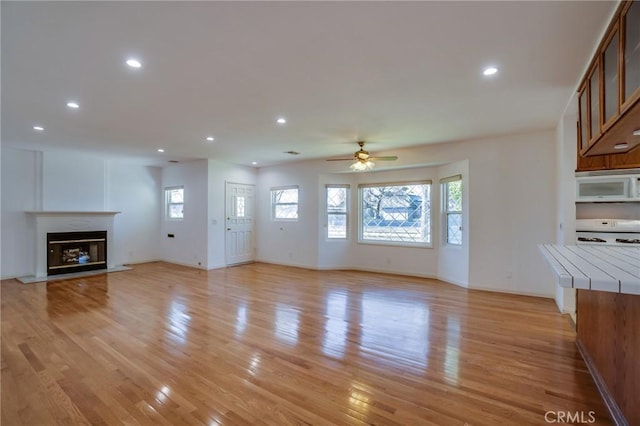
point(608, 326)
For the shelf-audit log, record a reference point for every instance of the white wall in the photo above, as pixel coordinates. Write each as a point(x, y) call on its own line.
point(135, 192)
point(511, 194)
point(33, 180)
point(20, 180)
point(289, 242)
point(512, 197)
point(453, 261)
point(189, 245)
point(73, 181)
point(218, 174)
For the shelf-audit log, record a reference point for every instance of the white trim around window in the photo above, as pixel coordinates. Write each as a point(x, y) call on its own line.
point(285, 203)
point(337, 211)
point(395, 213)
point(174, 203)
point(452, 210)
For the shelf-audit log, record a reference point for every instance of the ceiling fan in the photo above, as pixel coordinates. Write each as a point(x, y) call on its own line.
point(362, 160)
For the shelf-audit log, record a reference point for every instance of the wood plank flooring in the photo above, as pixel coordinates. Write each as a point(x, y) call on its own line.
point(264, 344)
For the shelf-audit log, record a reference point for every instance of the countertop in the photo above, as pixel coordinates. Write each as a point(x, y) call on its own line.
point(602, 268)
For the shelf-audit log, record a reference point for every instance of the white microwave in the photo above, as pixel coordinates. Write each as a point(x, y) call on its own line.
point(611, 188)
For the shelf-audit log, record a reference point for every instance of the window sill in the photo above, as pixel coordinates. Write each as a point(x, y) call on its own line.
point(397, 244)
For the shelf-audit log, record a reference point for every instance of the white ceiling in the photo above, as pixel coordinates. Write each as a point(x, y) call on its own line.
point(398, 74)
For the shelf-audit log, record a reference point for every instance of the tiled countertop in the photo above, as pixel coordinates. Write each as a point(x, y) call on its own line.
point(602, 268)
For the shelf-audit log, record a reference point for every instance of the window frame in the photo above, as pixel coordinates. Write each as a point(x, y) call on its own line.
point(346, 212)
point(274, 204)
point(168, 203)
point(362, 240)
point(444, 187)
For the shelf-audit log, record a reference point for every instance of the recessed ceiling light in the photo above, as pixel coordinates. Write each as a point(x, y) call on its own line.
point(254, 163)
point(160, 150)
point(281, 120)
point(73, 105)
point(622, 145)
point(490, 71)
point(210, 138)
point(134, 63)
point(38, 128)
point(636, 132)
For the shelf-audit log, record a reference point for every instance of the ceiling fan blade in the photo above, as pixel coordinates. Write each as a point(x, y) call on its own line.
point(340, 159)
point(388, 158)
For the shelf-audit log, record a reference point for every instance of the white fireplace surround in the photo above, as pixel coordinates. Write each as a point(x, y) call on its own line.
point(69, 221)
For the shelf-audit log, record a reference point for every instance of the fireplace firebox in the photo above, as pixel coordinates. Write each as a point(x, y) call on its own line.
point(76, 251)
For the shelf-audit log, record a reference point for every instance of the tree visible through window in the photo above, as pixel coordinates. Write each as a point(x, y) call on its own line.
point(174, 199)
point(396, 213)
point(284, 203)
point(337, 209)
point(452, 203)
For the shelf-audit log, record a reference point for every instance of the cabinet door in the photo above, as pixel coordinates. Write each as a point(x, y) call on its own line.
point(595, 162)
point(594, 102)
point(582, 120)
point(631, 68)
point(610, 67)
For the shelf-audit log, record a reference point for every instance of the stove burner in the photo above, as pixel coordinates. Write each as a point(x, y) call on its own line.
point(628, 240)
point(592, 240)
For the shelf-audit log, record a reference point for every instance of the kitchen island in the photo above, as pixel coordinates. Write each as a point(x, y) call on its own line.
point(607, 280)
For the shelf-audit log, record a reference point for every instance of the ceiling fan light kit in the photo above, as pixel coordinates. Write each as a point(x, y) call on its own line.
point(363, 161)
point(362, 166)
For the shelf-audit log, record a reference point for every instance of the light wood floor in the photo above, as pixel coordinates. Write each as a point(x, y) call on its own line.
point(265, 344)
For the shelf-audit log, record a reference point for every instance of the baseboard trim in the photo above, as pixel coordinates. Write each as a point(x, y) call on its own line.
point(507, 291)
point(292, 265)
point(183, 264)
point(454, 282)
point(140, 262)
point(612, 406)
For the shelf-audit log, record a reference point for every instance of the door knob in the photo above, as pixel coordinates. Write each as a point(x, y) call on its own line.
point(228, 229)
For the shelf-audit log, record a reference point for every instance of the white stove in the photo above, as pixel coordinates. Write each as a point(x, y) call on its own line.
point(610, 232)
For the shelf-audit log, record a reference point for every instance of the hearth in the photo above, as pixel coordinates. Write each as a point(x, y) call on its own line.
point(76, 251)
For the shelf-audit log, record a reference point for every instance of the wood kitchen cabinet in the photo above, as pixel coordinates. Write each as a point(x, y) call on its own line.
point(609, 342)
point(609, 96)
point(628, 160)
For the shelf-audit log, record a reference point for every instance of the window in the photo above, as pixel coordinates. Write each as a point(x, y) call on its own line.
point(452, 209)
point(284, 203)
point(174, 200)
point(398, 213)
point(337, 209)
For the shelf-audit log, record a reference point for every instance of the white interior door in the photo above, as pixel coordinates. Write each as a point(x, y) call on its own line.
point(239, 223)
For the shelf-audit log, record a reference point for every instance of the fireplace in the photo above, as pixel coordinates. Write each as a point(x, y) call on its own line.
point(76, 251)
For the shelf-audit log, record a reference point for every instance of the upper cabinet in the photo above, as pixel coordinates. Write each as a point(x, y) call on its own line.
point(630, 23)
point(608, 99)
point(610, 80)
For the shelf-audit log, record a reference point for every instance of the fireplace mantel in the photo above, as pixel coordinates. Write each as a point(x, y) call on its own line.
point(46, 221)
